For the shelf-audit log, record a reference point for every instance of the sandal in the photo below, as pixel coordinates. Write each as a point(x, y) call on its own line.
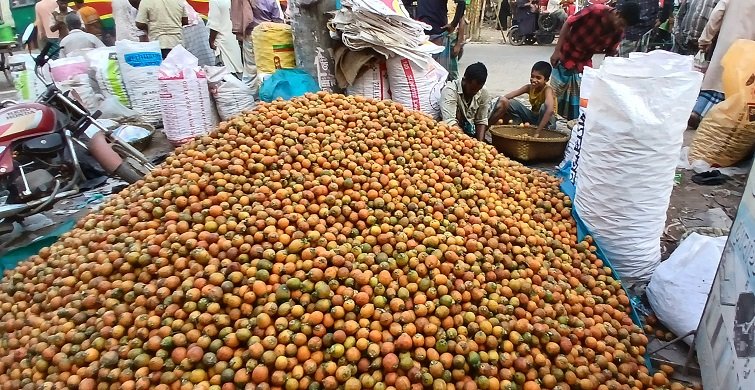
point(712, 178)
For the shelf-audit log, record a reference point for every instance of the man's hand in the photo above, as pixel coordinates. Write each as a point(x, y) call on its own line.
point(703, 47)
point(456, 50)
point(448, 28)
point(555, 58)
point(213, 46)
point(657, 23)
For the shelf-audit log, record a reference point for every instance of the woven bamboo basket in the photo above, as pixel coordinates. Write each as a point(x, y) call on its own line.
point(142, 143)
point(722, 145)
point(519, 143)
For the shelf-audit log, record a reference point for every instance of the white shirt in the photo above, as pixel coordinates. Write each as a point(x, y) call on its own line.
point(124, 17)
point(76, 41)
point(219, 19)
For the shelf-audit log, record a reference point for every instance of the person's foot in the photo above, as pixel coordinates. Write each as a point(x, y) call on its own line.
point(694, 121)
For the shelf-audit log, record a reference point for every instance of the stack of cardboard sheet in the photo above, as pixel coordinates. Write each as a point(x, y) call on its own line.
point(387, 29)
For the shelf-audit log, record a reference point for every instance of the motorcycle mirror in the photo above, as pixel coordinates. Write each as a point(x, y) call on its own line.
point(28, 34)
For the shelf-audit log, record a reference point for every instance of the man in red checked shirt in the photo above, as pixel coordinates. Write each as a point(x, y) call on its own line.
point(596, 29)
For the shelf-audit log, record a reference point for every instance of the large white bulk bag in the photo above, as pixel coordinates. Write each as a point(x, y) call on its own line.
point(231, 95)
point(632, 139)
point(106, 73)
point(139, 63)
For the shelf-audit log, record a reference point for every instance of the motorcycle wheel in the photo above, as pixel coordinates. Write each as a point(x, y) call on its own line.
point(547, 22)
point(515, 38)
point(545, 39)
point(530, 40)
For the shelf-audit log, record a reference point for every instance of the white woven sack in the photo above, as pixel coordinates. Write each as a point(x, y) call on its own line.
point(28, 85)
point(231, 95)
point(139, 64)
point(372, 82)
point(680, 285)
point(82, 89)
point(105, 70)
point(187, 110)
point(415, 87)
point(633, 135)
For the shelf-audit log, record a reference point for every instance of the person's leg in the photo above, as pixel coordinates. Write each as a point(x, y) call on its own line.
point(443, 58)
point(520, 113)
point(627, 46)
point(551, 122)
point(705, 101)
point(566, 85)
point(453, 66)
point(498, 110)
point(54, 44)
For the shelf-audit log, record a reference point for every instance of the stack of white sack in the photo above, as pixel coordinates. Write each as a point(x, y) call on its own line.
point(184, 98)
point(387, 29)
point(139, 62)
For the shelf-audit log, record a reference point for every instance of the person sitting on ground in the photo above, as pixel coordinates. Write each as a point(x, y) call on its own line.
point(542, 100)
point(77, 40)
point(467, 104)
point(90, 17)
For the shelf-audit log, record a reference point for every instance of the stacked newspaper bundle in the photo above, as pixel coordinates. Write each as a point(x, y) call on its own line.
point(387, 29)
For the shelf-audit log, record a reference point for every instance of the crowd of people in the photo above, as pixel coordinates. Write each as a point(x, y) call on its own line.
point(554, 86)
point(226, 35)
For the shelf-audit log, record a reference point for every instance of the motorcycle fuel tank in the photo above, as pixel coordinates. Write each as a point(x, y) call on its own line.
point(21, 121)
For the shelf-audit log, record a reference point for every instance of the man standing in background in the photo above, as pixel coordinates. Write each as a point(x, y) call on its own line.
point(435, 13)
point(690, 22)
point(245, 16)
point(651, 16)
point(58, 20)
point(90, 17)
point(77, 41)
point(596, 29)
point(124, 18)
point(163, 20)
point(43, 21)
point(222, 39)
point(730, 20)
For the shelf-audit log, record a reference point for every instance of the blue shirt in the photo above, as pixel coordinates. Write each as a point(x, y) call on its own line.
point(434, 13)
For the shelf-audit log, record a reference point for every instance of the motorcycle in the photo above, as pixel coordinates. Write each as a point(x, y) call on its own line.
point(548, 25)
point(43, 146)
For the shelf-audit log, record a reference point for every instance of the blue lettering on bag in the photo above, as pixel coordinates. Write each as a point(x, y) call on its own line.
point(142, 59)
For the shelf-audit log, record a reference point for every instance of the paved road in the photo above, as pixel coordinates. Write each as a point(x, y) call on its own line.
point(508, 66)
point(7, 91)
